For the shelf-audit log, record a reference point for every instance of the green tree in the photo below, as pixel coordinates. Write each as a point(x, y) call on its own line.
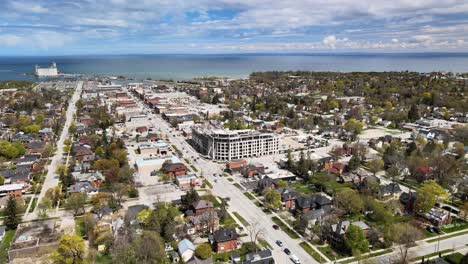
point(426, 196)
point(282, 183)
point(44, 207)
point(190, 197)
point(413, 113)
point(376, 165)
point(12, 218)
point(203, 251)
point(272, 199)
point(354, 126)
point(2, 180)
point(71, 250)
point(405, 235)
point(149, 248)
point(72, 129)
point(354, 162)
point(355, 240)
point(32, 129)
point(76, 203)
point(349, 201)
point(54, 194)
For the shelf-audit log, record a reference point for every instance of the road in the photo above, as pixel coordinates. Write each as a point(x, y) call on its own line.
point(239, 203)
point(51, 179)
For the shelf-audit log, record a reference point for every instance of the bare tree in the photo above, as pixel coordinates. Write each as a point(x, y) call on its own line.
point(405, 235)
point(255, 231)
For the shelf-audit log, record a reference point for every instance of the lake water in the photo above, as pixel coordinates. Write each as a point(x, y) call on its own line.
point(184, 67)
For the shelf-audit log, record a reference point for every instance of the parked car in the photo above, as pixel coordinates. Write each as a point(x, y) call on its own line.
point(279, 243)
point(295, 259)
point(275, 227)
point(287, 251)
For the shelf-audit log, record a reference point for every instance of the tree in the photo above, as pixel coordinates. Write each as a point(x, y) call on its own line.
point(2, 180)
point(426, 196)
point(376, 165)
point(355, 240)
point(272, 199)
point(392, 173)
point(255, 231)
point(405, 235)
point(119, 190)
point(282, 183)
point(413, 113)
point(149, 248)
point(76, 203)
point(464, 211)
point(349, 201)
point(12, 218)
point(70, 250)
point(354, 126)
point(190, 197)
point(203, 251)
point(44, 207)
point(72, 129)
point(354, 162)
point(54, 194)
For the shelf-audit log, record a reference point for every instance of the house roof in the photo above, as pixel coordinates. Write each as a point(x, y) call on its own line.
point(82, 186)
point(225, 234)
point(312, 201)
point(133, 211)
point(261, 257)
point(184, 246)
point(201, 204)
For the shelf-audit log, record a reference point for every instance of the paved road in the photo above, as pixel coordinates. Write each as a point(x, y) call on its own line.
point(51, 177)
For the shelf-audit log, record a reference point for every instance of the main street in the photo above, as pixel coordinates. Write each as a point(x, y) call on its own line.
point(52, 179)
point(238, 202)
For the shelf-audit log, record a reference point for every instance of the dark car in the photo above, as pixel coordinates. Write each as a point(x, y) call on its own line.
point(287, 251)
point(276, 227)
point(279, 243)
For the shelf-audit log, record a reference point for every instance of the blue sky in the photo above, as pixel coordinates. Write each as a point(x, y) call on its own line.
point(53, 27)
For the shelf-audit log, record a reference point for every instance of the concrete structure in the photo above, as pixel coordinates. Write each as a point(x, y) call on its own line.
point(219, 144)
point(188, 181)
point(46, 71)
point(160, 147)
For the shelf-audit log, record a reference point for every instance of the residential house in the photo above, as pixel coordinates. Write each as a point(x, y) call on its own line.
point(389, 191)
point(335, 167)
point(312, 202)
point(36, 147)
point(265, 184)
point(84, 187)
point(438, 217)
point(186, 249)
point(261, 257)
point(337, 233)
point(225, 239)
point(201, 206)
point(207, 222)
point(235, 165)
point(94, 178)
point(288, 198)
point(16, 189)
point(408, 200)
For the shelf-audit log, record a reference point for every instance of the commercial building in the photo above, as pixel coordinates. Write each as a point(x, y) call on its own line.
point(220, 144)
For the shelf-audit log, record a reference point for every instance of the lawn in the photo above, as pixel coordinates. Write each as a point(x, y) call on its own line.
point(447, 237)
point(243, 221)
point(432, 254)
point(283, 227)
point(238, 186)
point(33, 205)
point(312, 252)
point(103, 259)
point(454, 258)
point(79, 226)
point(230, 179)
point(249, 195)
point(228, 222)
point(208, 183)
point(371, 255)
point(193, 168)
point(302, 188)
point(329, 252)
point(264, 244)
point(211, 198)
point(457, 225)
point(9, 235)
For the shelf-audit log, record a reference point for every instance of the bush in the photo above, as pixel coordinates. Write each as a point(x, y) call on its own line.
point(203, 251)
point(133, 192)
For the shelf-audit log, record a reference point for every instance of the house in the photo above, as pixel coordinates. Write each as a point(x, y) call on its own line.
point(356, 176)
point(83, 154)
point(261, 257)
point(202, 206)
point(207, 222)
point(132, 213)
point(174, 169)
point(388, 191)
point(15, 189)
point(288, 198)
point(438, 217)
point(188, 181)
point(95, 178)
point(408, 200)
point(84, 187)
point(335, 167)
point(252, 170)
point(36, 147)
point(338, 231)
point(186, 249)
point(224, 240)
point(312, 202)
point(266, 183)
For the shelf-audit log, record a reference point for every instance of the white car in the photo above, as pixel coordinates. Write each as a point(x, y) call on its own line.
point(295, 259)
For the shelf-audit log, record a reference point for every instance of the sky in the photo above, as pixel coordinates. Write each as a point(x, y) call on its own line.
point(68, 27)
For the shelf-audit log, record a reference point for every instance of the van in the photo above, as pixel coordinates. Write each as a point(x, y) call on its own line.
point(295, 259)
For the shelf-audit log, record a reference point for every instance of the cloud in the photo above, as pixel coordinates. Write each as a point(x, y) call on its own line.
point(328, 24)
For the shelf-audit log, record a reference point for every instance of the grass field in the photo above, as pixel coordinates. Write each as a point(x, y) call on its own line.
point(312, 252)
point(283, 227)
point(243, 221)
point(248, 195)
